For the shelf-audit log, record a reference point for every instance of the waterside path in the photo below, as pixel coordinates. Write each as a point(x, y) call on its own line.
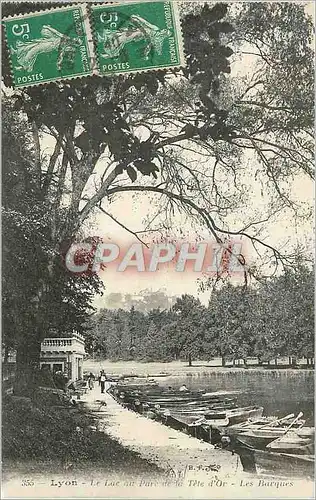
point(155, 442)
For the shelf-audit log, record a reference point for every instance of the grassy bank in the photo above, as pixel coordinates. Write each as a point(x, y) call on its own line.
point(39, 437)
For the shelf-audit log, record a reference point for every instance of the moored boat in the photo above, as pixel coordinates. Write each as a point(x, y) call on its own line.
point(260, 438)
point(202, 407)
point(192, 424)
point(281, 464)
point(292, 442)
point(220, 393)
point(220, 421)
point(186, 420)
point(235, 415)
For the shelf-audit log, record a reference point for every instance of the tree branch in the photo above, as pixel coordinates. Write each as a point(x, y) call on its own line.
point(264, 105)
point(210, 223)
point(52, 162)
point(123, 226)
point(37, 147)
point(92, 203)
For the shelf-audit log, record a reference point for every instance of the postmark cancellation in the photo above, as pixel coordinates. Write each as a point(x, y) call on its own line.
point(134, 37)
point(49, 45)
point(105, 39)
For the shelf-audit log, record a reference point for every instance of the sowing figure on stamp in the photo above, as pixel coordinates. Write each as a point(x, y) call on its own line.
point(27, 52)
point(139, 29)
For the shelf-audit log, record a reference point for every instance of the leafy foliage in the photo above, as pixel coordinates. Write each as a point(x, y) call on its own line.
point(64, 301)
point(274, 319)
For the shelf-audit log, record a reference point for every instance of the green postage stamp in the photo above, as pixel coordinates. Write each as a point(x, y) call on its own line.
point(49, 45)
point(131, 37)
point(58, 44)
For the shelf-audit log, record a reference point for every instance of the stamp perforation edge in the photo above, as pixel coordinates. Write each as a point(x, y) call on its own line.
point(44, 11)
point(177, 29)
point(90, 45)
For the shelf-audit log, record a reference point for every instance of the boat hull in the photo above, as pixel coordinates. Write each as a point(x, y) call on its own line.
point(234, 416)
point(293, 443)
point(282, 464)
point(260, 438)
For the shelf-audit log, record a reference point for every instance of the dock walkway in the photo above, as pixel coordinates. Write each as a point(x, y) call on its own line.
point(169, 449)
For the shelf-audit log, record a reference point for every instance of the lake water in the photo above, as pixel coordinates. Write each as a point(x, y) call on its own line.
point(279, 392)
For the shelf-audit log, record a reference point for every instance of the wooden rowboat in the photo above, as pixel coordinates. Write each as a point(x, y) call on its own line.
point(260, 438)
point(203, 406)
point(292, 443)
point(280, 464)
point(221, 411)
point(235, 415)
point(186, 420)
point(264, 422)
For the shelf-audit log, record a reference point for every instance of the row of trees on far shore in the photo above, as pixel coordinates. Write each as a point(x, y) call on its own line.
point(268, 321)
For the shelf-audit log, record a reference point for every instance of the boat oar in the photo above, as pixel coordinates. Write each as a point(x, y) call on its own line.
point(292, 423)
point(269, 424)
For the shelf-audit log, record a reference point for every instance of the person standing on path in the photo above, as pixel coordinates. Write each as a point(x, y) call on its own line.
point(99, 378)
point(91, 380)
point(102, 382)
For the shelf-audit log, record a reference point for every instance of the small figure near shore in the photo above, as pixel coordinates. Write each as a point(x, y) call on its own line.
point(99, 377)
point(183, 388)
point(102, 380)
point(91, 380)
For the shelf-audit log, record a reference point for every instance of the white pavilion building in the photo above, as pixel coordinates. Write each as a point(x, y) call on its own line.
point(65, 354)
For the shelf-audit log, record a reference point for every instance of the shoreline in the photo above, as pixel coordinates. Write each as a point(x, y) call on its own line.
point(176, 368)
point(170, 450)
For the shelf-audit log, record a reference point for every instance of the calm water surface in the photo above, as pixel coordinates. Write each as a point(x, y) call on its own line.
point(279, 392)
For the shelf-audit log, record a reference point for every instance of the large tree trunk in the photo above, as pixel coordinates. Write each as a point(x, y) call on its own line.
point(27, 375)
point(27, 366)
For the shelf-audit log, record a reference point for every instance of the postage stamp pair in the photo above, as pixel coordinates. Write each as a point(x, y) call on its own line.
point(80, 40)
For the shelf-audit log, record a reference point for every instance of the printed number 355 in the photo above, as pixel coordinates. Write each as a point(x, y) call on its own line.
point(27, 482)
point(21, 30)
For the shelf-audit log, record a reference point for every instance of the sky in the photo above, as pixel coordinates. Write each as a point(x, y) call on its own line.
point(132, 211)
point(128, 211)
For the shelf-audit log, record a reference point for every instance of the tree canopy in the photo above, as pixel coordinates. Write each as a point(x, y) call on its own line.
point(184, 134)
point(194, 138)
